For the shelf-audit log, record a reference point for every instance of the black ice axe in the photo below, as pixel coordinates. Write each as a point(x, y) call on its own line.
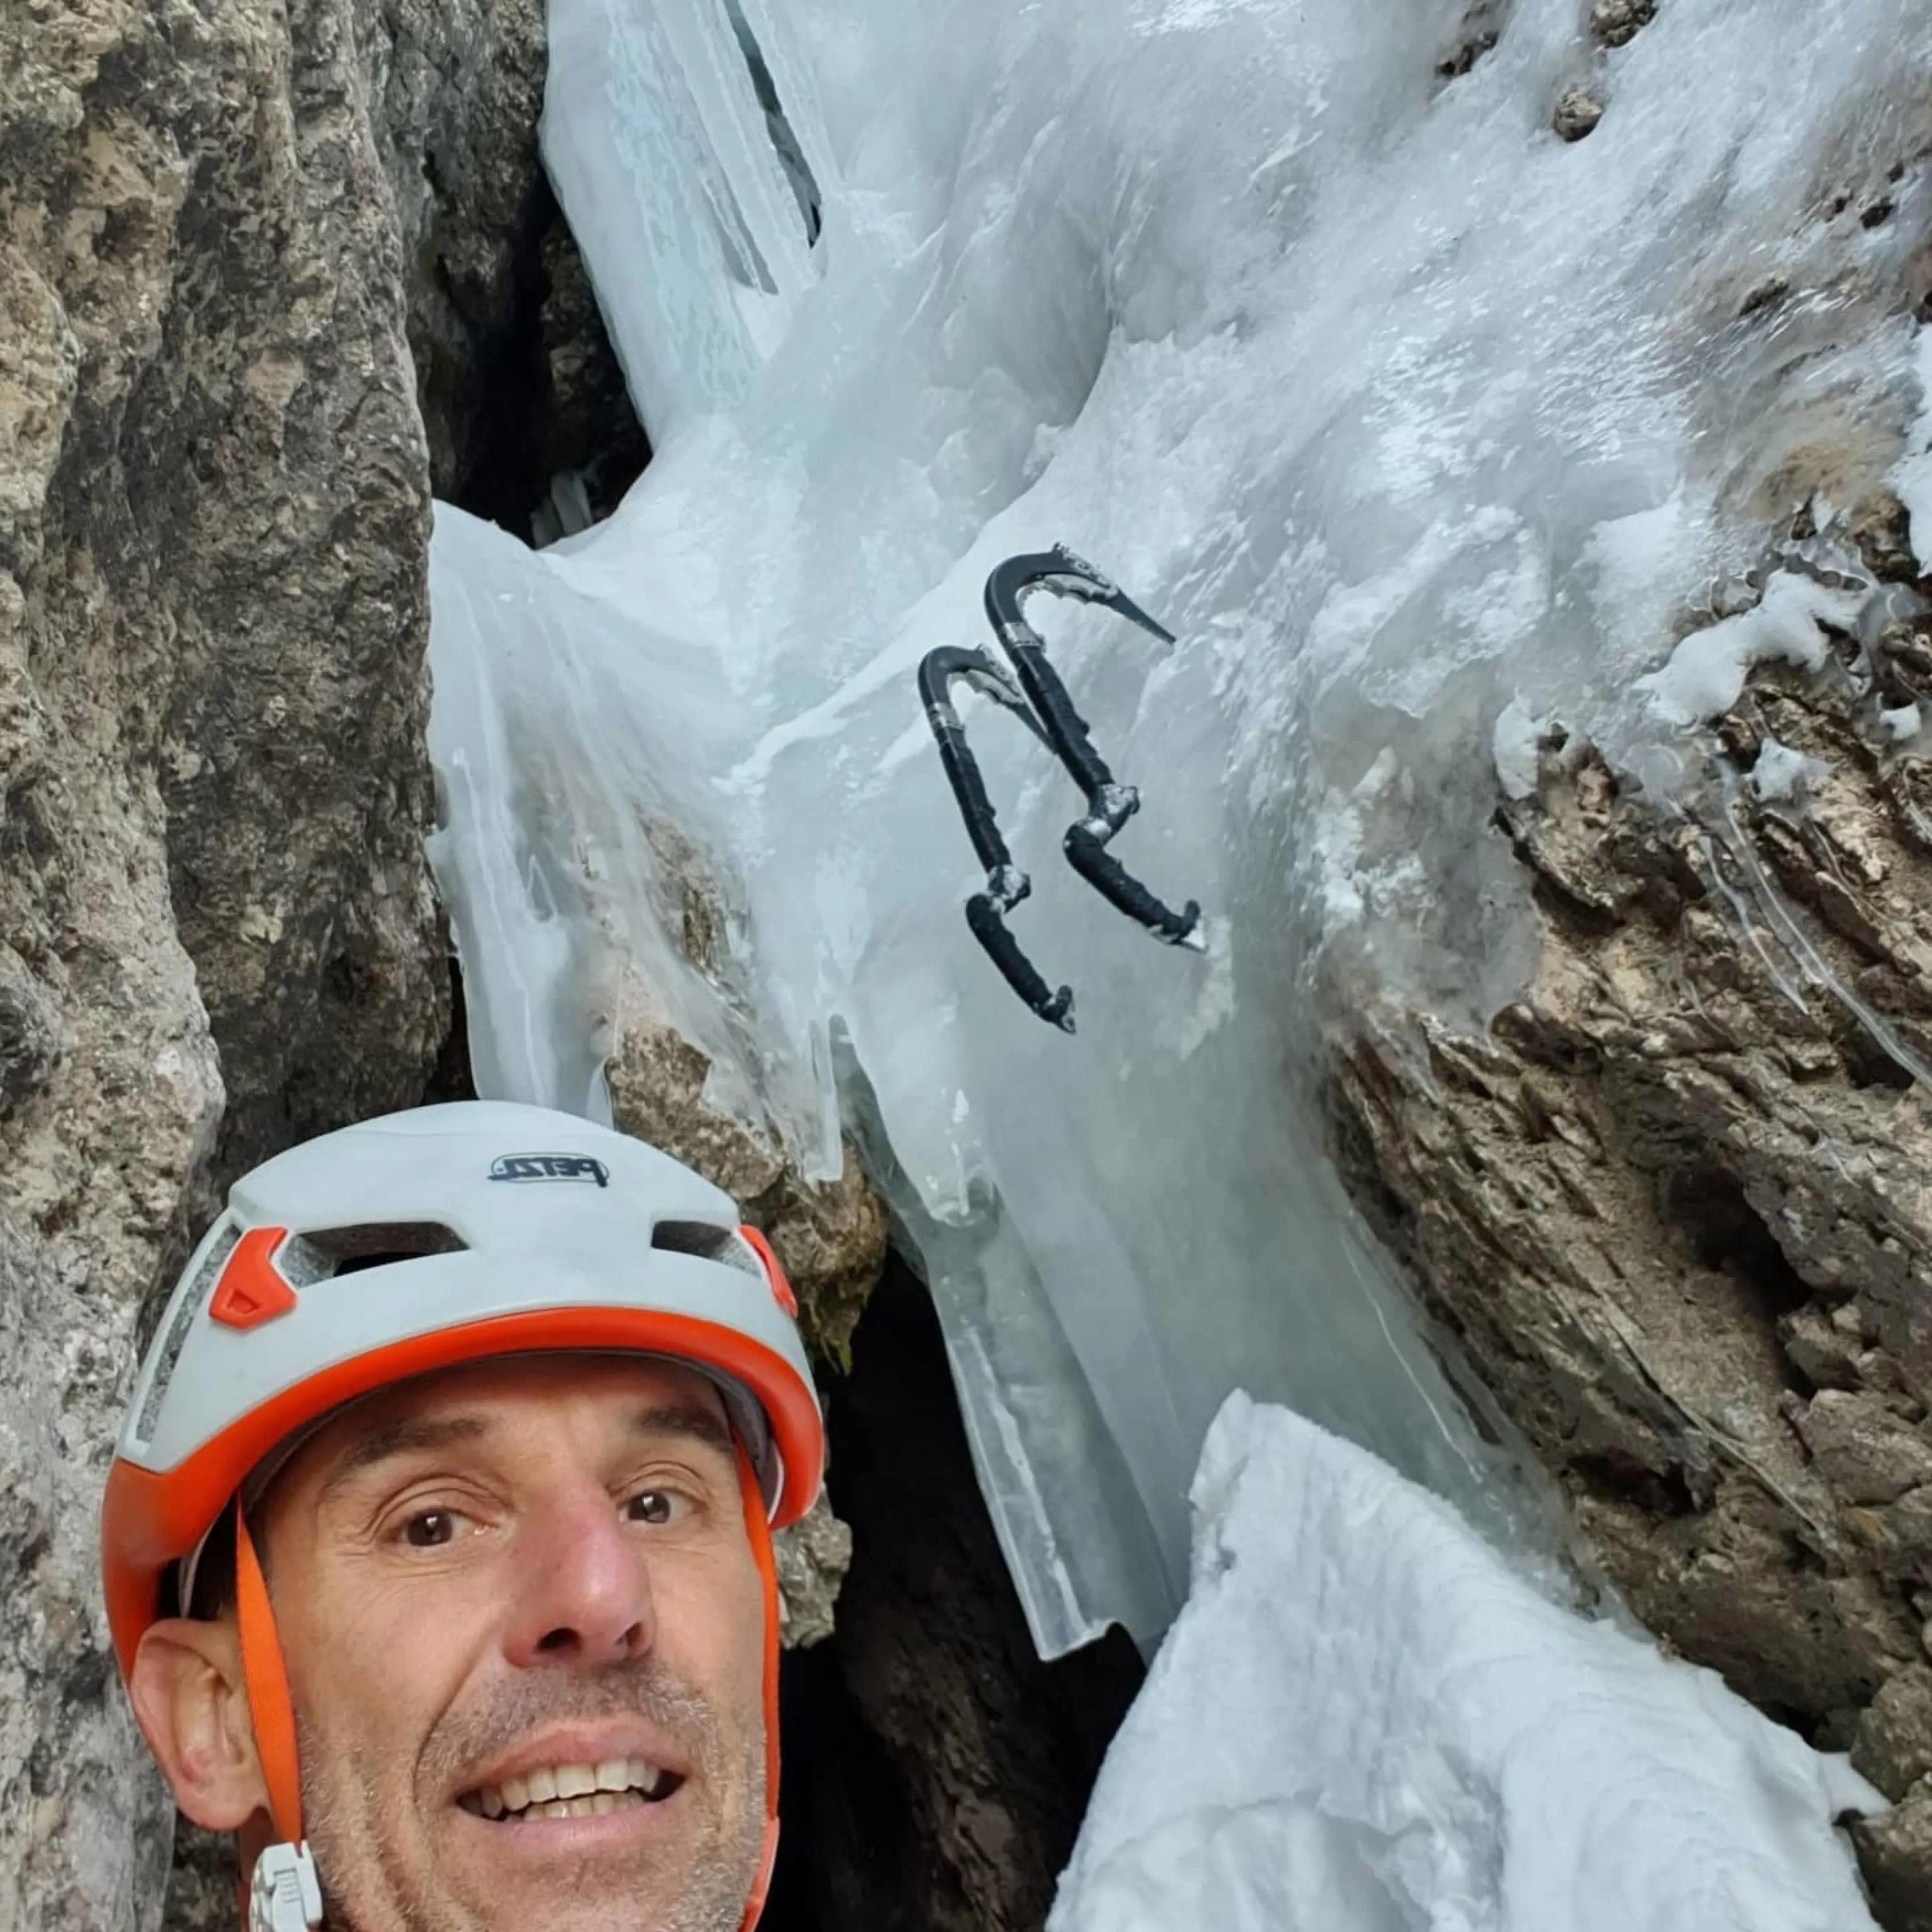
point(1032, 690)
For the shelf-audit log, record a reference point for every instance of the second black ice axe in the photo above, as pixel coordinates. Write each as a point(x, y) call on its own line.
point(1033, 691)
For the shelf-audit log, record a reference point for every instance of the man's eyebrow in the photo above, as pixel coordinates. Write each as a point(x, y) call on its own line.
point(408, 1436)
point(687, 1419)
point(411, 1436)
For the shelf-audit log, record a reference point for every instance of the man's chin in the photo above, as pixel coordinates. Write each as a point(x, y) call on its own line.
point(627, 1867)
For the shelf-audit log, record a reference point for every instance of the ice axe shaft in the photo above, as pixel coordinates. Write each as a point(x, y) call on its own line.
point(1035, 693)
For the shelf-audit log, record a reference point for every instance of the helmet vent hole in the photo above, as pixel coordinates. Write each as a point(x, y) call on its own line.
point(709, 1243)
point(219, 1248)
point(318, 1254)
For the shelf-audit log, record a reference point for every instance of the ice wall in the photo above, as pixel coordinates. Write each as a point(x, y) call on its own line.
point(1399, 411)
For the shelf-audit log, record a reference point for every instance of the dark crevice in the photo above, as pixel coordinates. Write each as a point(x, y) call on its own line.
point(937, 1771)
point(1726, 1232)
point(785, 142)
point(539, 414)
point(451, 1077)
point(846, 1855)
point(1868, 1064)
point(1617, 1476)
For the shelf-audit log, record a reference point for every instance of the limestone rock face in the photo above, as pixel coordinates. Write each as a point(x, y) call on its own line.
point(811, 1558)
point(829, 1237)
point(1675, 1206)
point(1896, 1853)
point(218, 932)
point(454, 93)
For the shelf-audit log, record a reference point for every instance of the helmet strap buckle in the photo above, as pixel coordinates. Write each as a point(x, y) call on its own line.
point(286, 1895)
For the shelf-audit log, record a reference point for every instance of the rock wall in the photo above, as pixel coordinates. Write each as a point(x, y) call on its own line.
point(221, 231)
point(454, 91)
point(829, 1237)
point(1675, 1205)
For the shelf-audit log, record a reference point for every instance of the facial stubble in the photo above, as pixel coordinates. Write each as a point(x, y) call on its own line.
point(372, 1882)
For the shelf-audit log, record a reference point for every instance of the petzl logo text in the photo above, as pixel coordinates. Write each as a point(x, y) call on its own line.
point(549, 1167)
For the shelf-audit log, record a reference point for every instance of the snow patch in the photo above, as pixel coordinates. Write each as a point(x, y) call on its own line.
point(1363, 1721)
point(1634, 565)
point(1902, 724)
point(1515, 747)
point(1706, 673)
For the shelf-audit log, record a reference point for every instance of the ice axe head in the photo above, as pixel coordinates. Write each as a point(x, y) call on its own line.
point(1060, 571)
point(1083, 581)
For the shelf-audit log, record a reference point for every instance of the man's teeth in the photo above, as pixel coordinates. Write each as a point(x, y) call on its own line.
point(569, 1791)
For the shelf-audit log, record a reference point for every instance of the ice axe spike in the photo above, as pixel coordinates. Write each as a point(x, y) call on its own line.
point(1007, 885)
point(1034, 693)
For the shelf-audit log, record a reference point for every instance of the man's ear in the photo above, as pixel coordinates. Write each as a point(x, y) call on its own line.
point(187, 1687)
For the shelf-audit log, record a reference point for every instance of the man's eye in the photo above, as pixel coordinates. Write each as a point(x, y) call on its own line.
point(655, 1506)
point(430, 1529)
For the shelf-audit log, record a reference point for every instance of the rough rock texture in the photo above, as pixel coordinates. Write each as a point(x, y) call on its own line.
point(1617, 22)
point(1675, 1206)
point(811, 1558)
point(218, 934)
point(1576, 113)
point(201, 1886)
point(454, 93)
point(830, 1237)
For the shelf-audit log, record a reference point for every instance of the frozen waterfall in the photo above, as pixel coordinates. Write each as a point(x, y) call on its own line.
point(1414, 424)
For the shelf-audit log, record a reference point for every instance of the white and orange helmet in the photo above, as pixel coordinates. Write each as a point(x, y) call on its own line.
point(412, 1244)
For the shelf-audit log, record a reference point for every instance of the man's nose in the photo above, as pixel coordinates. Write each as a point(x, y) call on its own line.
point(583, 1585)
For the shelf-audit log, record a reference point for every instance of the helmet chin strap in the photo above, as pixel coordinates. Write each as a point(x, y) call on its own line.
point(285, 1894)
point(758, 1529)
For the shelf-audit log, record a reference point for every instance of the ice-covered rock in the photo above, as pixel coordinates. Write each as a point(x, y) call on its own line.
point(1674, 1202)
point(1515, 746)
point(1911, 476)
point(1708, 669)
point(1782, 773)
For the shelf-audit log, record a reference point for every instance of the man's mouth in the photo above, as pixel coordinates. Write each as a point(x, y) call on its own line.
point(573, 1791)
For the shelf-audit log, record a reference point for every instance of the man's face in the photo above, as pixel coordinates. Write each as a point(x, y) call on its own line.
point(524, 1629)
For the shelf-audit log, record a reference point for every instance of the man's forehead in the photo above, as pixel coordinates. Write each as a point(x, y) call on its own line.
point(473, 1400)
